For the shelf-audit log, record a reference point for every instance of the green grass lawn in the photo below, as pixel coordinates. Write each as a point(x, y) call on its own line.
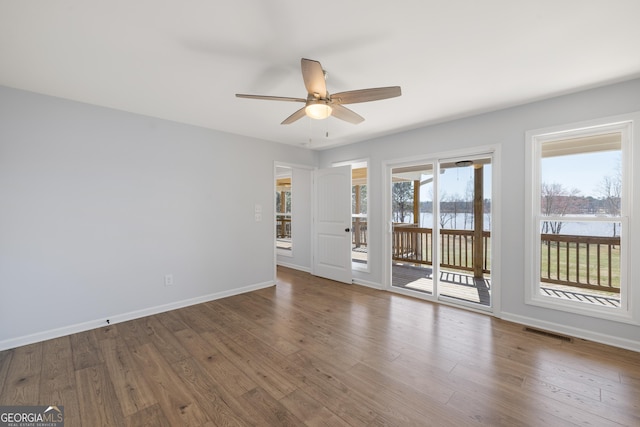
point(576, 267)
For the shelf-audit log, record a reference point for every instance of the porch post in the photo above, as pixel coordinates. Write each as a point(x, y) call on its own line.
point(416, 202)
point(356, 229)
point(478, 220)
point(283, 209)
point(417, 248)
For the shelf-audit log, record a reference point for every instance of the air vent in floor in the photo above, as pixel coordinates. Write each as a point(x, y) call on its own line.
point(548, 334)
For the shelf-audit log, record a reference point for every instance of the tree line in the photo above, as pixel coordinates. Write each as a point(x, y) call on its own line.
point(555, 200)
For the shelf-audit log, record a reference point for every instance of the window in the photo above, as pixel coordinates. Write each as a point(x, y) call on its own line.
point(283, 209)
point(360, 226)
point(359, 217)
point(578, 219)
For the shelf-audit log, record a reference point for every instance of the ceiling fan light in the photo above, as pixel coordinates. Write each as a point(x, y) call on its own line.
point(318, 111)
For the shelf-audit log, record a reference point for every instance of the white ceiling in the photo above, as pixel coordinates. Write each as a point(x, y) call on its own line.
point(183, 60)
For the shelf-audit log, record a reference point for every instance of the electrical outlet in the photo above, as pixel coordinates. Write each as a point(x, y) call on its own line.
point(168, 279)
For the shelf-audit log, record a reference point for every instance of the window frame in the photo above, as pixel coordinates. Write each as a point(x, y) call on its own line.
point(534, 141)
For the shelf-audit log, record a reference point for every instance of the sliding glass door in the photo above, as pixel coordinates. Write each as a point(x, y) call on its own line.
point(441, 230)
point(413, 224)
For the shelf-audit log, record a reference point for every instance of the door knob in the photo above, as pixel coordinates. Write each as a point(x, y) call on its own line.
point(347, 230)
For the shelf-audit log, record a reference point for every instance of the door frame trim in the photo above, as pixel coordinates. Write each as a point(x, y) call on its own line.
point(496, 212)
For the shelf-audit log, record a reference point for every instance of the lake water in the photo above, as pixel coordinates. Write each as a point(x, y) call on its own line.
point(464, 222)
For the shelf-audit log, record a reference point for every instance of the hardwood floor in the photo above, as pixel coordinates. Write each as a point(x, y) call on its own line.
point(310, 351)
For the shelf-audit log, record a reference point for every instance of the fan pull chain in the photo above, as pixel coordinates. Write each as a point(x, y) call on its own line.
point(326, 135)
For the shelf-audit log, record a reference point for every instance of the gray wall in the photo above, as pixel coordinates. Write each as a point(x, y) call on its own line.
point(505, 128)
point(98, 205)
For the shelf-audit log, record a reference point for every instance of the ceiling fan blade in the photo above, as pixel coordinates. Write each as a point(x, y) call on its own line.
point(270, 98)
point(295, 116)
point(314, 77)
point(343, 113)
point(366, 95)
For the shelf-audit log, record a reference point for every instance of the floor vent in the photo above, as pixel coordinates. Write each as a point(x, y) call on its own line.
point(549, 334)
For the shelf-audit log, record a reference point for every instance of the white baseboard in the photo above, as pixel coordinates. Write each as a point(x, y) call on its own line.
point(367, 283)
point(119, 318)
point(573, 332)
point(295, 267)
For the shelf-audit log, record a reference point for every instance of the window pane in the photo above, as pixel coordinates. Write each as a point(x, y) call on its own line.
point(283, 208)
point(581, 261)
point(412, 215)
point(581, 183)
point(581, 178)
point(359, 225)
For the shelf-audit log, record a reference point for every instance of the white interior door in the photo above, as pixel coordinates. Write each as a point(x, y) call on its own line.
point(332, 224)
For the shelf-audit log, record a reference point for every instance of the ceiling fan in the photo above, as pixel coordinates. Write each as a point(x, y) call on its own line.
point(319, 104)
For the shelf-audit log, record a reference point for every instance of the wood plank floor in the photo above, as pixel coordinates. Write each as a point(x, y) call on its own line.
point(310, 351)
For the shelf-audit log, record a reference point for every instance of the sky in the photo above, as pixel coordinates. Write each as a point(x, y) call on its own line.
point(584, 172)
point(453, 182)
